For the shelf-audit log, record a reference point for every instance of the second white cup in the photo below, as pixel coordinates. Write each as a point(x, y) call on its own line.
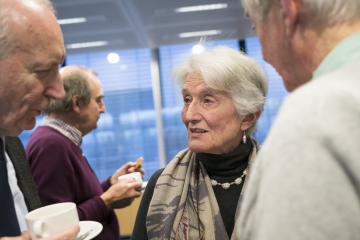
point(135, 175)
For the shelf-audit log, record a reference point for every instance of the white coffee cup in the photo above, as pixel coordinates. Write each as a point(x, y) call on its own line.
point(135, 175)
point(52, 219)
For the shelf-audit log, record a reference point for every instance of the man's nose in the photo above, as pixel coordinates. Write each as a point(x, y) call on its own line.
point(102, 108)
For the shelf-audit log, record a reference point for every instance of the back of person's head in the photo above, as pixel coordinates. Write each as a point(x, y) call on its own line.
point(229, 70)
point(316, 12)
point(7, 9)
point(77, 82)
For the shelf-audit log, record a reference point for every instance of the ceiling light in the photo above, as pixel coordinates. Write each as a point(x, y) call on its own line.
point(205, 7)
point(86, 44)
point(71, 20)
point(198, 48)
point(113, 58)
point(199, 33)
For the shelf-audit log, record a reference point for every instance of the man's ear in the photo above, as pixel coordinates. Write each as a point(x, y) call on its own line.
point(249, 121)
point(75, 104)
point(289, 10)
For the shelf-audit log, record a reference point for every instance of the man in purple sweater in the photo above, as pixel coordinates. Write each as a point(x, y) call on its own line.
point(59, 167)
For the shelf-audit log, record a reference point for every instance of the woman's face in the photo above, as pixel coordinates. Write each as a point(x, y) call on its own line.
point(212, 122)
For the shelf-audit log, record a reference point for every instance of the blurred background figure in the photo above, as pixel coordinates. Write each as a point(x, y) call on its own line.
point(305, 183)
point(60, 169)
point(196, 195)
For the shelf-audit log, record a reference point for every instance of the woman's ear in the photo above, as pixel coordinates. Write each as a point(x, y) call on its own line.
point(75, 104)
point(249, 120)
point(290, 15)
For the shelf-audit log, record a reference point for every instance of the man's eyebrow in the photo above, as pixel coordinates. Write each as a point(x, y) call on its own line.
point(44, 65)
point(52, 62)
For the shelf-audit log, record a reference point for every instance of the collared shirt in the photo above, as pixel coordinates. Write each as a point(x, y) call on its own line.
point(346, 52)
point(67, 130)
point(19, 201)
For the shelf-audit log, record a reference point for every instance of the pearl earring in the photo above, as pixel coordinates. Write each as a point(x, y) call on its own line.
point(244, 138)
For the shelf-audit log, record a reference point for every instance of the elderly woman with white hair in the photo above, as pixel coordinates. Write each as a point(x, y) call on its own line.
point(196, 196)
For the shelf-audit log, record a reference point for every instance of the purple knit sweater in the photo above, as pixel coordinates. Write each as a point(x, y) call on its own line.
point(62, 174)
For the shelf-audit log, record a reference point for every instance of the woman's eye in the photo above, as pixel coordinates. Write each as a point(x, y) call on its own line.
point(208, 100)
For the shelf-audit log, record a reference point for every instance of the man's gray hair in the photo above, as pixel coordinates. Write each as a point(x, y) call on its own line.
point(226, 69)
point(316, 12)
point(76, 84)
point(6, 36)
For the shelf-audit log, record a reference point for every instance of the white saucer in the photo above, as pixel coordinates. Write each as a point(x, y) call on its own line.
point(94, 227)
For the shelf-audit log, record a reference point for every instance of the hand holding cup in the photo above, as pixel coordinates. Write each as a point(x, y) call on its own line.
point(52, 220)
point(127, 168)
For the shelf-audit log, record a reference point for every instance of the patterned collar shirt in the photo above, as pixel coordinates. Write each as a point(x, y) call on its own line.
point(67, 130)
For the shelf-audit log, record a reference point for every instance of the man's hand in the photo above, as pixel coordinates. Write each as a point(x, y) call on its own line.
point(127, 168)
point(121, 190)
point(69, 234)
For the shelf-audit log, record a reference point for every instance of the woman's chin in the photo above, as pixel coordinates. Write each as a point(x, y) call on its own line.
point(195, 145)
point(201, 148)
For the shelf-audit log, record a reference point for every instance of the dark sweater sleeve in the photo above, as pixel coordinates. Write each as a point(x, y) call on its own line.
point(105, 185)
point(56, 179)
point(139, 231)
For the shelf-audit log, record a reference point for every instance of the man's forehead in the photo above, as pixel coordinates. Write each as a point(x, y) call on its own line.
point(32, 24)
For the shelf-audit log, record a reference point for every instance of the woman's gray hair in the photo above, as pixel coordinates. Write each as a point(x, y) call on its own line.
point(226, 69)
point(6, 36)
point(75, 84)
point(257, 8)
point(316, 12)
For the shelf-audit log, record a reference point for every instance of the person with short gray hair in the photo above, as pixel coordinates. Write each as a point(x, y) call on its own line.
point(31, 49)
point(223, 93)
point(305, 182)
point(75, 84)
point(315, 13)
point(7, 37)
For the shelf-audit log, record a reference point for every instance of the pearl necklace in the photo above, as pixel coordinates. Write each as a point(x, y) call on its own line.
point(226, 185)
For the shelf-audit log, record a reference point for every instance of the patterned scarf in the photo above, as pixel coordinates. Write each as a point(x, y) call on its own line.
point(184, 205)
